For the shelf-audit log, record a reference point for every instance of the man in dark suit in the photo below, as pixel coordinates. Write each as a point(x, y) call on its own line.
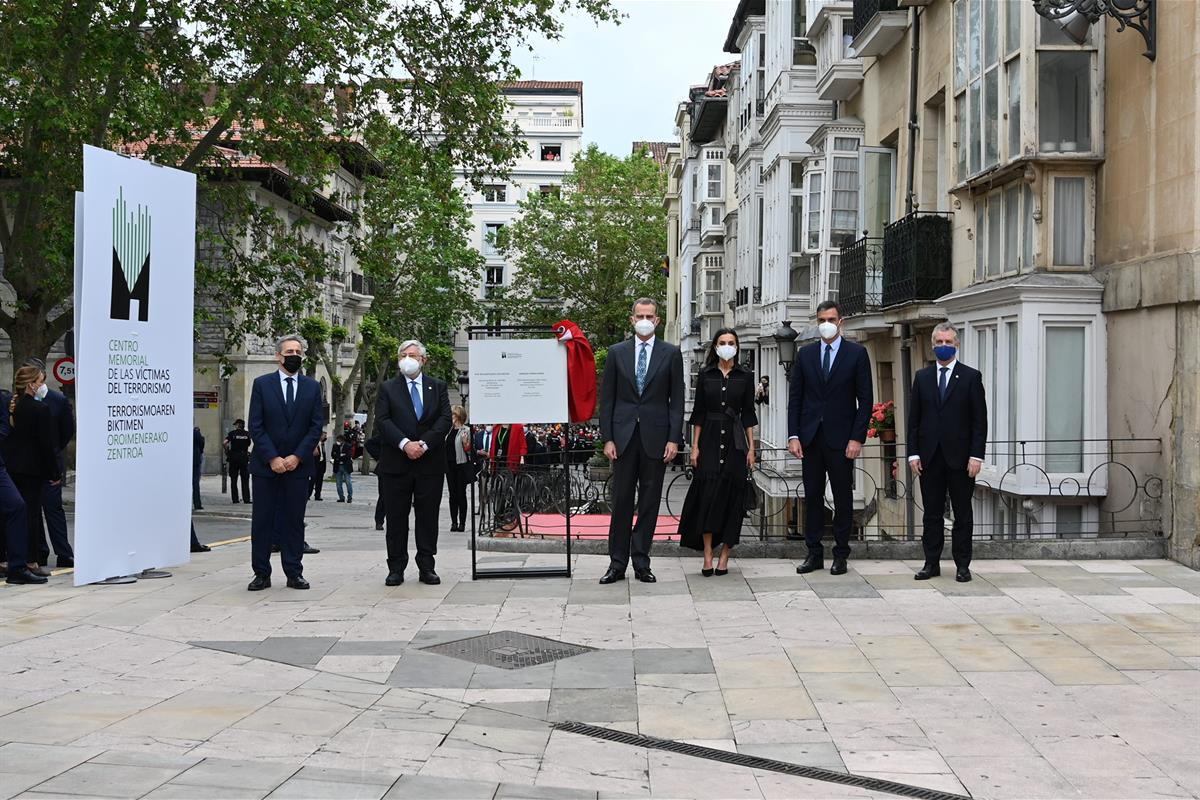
point(947, 433)
point(197, 464)
point(320, 461)
point(641, 419)
point(52, 504)
point(237, 448)
point(286, 417)
point(829, 405)
point(412, 416)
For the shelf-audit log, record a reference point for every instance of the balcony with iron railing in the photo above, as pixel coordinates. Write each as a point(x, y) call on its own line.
point(916, 259)
point(860, 282)
point(879, 25)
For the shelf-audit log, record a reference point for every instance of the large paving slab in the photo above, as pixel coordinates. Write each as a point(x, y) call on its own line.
point(1038, 679)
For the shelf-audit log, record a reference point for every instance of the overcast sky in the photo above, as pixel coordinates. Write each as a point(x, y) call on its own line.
point(635, 74)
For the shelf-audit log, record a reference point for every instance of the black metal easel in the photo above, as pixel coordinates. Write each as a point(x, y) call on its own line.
point(478, 332)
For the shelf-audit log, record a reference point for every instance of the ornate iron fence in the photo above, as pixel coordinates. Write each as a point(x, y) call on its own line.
point(864, 10)
point(1115, 493)
point(860, 279)
point(916, 258)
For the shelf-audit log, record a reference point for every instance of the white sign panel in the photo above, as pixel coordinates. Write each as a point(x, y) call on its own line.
point(133, 352)
point(518, 380)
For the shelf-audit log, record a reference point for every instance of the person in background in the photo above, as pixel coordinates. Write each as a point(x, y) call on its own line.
point(197, 464)
point(319, 463)
point(52, 504)
point(31, 456)
point(460, 467)
point(15, 543)
point(237, 447)
point(762, 395)
point(343, 465)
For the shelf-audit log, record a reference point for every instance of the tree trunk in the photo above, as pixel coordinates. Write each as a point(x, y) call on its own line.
point(32, 334)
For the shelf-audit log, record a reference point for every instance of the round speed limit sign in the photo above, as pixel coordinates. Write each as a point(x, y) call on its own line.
point(64, 370)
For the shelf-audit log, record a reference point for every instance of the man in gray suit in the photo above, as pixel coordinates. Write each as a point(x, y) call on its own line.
point(641, 421)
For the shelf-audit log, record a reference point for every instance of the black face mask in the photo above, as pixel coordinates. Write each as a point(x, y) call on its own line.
point(292, 364)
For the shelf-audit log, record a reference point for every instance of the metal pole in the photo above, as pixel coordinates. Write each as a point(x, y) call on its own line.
point(906, 376)
point(913, 127)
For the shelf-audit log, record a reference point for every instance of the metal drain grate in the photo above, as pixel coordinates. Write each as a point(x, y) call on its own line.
point(508, 650)
point(754, 762)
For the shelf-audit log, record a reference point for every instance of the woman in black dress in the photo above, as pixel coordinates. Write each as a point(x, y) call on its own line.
point(722, 421)
point(30, 453)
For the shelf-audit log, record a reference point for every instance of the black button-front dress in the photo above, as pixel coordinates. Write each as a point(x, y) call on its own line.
point(715, 503)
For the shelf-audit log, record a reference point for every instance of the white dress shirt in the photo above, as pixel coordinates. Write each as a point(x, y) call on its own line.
point(937, 377)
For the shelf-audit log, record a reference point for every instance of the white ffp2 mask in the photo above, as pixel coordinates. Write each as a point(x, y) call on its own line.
point(725, 352)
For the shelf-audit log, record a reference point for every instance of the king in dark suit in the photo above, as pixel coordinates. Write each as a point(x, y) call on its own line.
point(947, 433)
point(412, 417)
point(829, 405)
point(286, 416)
point(641, 419)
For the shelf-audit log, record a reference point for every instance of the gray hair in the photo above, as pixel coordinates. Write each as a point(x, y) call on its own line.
point(943, 327)
point(291, 337)
point(412, 343)
point(644, 301)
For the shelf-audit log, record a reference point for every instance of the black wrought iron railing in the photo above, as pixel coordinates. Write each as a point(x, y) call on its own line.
point(864, 10)
point(916, 258)
point(1116, 495)
point(860, 280)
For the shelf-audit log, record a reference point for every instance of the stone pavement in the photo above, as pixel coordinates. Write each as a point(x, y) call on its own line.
point(1038, 679)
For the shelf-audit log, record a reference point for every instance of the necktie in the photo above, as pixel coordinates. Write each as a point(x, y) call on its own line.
point(825, 360)
point(416, 398)
point(942, 384)
point(291, 392)
point(643, 358)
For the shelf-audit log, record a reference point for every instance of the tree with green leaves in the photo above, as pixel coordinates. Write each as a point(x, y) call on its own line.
point(590, 251)
point(193, 84)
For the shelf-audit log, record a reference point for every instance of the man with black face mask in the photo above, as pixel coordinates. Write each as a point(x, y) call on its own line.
point(286, 416)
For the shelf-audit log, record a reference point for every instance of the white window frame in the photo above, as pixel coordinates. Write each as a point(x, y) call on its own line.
point(862, 193)
point(714, 188)
point(1089, 219)
point(1007, 58)
point(1025, 231)
point(489, 244)
point(495, 193)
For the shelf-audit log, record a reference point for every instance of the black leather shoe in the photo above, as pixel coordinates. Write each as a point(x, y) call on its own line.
point(430, 577)
point(24, 575)
point(340, 500)
point(3, 570)
point(349, 499)
point(259, 583)
point(41, 571)
point(319, 499)
point(65, 563)
point(200, 548)
point(963, 575)
point(297, 583)
point(839, 567)
point(612, 576)
point(378, 527)
point(646, 577)
point(811, 564)
point(394, 579)
point(928, 571)
point(309, 550)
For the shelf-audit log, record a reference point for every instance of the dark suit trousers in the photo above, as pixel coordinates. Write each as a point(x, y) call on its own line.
point(821, 461)
point(56, 524)
point(380, 508)
point(456, 481)
point(318, 478)
point(196, 487)
point(634, 469)
point(277, 517)
point(936, 478)
point(12, 512)
point(32, 491)
point(402, 493)
point(239, 469)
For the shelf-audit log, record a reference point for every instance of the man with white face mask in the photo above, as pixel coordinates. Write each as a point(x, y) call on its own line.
point(641, 420)
point(829, 405)
point(412, 416)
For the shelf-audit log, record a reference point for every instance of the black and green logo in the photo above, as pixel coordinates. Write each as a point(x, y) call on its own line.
point(131, 261)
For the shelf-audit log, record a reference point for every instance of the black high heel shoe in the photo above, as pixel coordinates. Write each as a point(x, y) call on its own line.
point(706, 572)
point(722, 572)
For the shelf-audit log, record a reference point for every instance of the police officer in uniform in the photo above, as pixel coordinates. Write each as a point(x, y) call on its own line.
point(237, 448)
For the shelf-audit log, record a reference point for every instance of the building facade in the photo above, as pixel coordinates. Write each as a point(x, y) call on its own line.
point(971, 160)
point(550, 116)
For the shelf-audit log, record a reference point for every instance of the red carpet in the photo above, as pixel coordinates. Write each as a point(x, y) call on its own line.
point(591, 526)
